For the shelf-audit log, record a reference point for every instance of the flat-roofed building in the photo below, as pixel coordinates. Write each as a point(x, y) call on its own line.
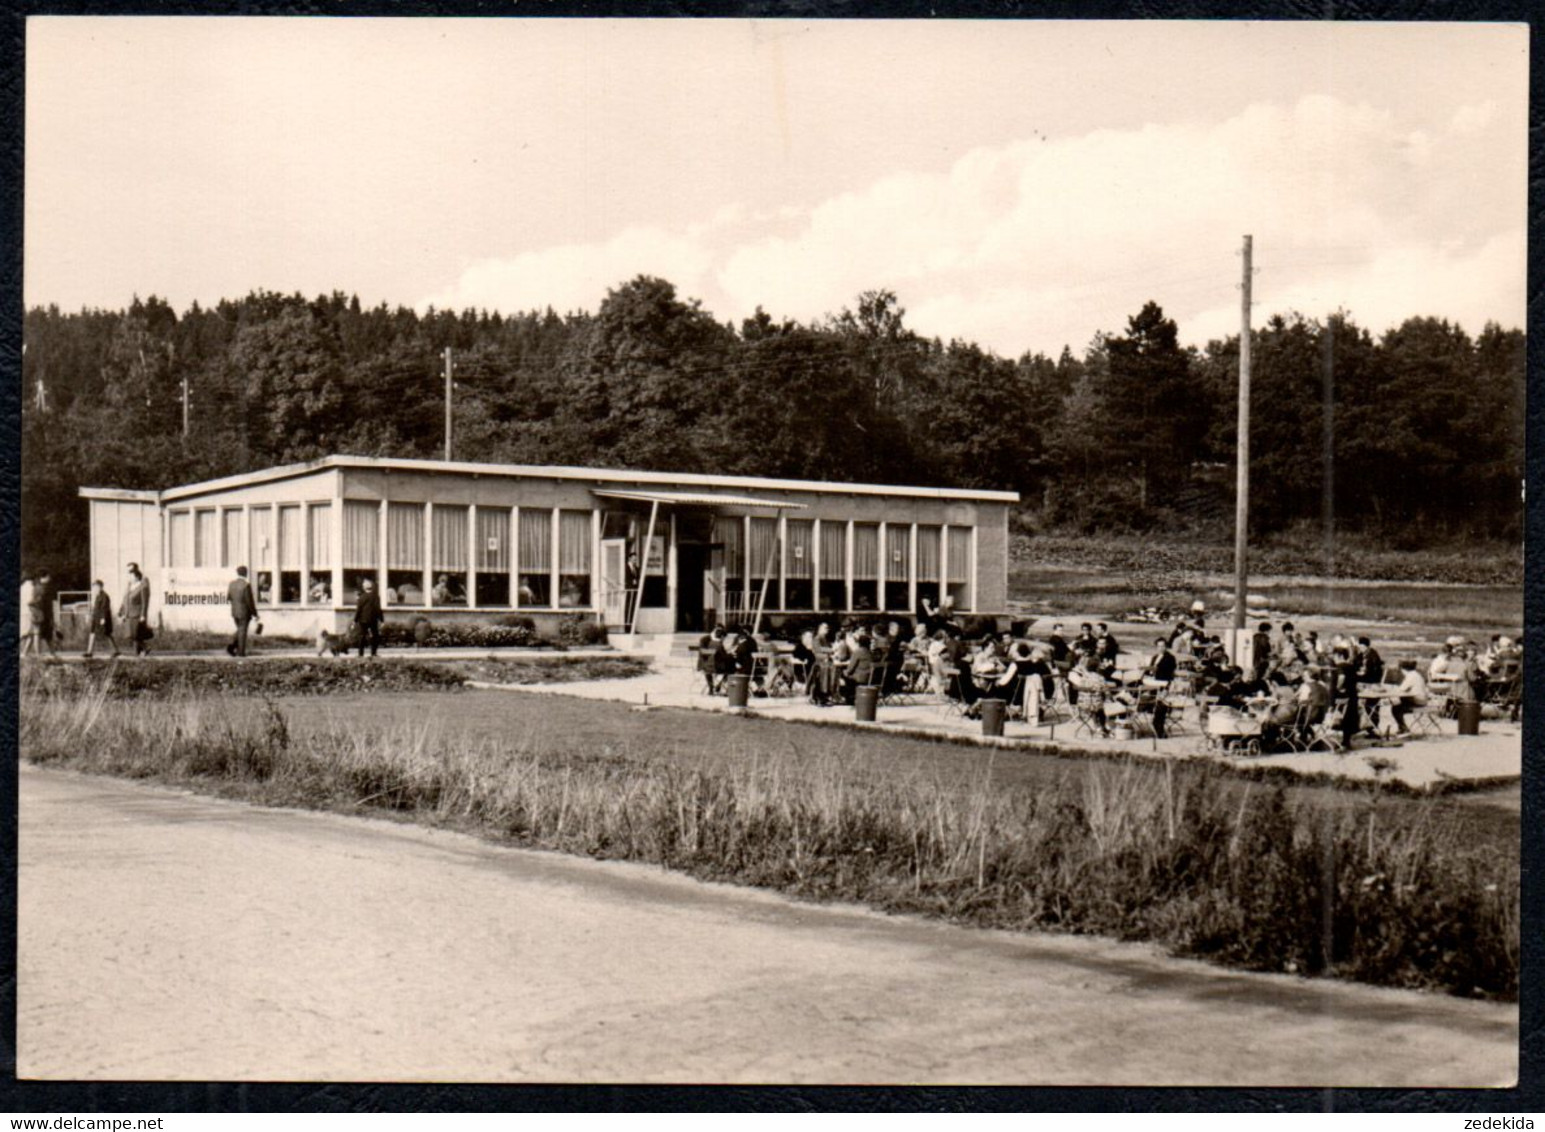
point(647, 552)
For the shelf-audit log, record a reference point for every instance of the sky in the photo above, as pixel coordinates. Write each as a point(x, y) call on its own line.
point(1020, 184)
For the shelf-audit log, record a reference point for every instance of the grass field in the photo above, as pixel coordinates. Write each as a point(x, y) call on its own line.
point(1362, 884)
point(1078, 591)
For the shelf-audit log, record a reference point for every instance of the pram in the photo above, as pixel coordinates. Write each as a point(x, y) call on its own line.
point(1231, 731)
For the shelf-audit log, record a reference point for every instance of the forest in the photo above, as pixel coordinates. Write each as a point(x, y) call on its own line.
point(1414, 435)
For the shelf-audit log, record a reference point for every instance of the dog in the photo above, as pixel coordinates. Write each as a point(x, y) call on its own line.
point(336, 643)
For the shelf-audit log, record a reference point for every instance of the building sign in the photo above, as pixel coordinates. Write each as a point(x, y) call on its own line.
point(656, 564)
point(184, 589)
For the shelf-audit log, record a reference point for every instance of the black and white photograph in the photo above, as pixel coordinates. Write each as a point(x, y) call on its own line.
point(772, 551)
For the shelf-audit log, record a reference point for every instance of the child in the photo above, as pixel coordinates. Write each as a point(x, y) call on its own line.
point(101, 619)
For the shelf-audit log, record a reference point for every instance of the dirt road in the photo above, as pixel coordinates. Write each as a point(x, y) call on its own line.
point(164, 935)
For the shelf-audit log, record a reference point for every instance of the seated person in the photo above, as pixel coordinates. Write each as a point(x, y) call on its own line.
point(712, 661)
point(1106, 648)
point(914, 657)
point(1411, 694)
point(1279, 718)
point(1313, 699)
point(1010, 682)
point(858, 670)
point(1085, 643)
point(1060, 649)
point(447, 592)
point(1029, 676)
point(804, 658)
point(956, 670)
point(986, 665)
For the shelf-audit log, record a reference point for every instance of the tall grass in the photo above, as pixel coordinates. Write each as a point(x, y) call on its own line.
point(1178, 855)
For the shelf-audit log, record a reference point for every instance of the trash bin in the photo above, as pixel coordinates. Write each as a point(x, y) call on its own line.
point(1469, 713)
point(864, 701)
point(992, 716)
point(738, 688)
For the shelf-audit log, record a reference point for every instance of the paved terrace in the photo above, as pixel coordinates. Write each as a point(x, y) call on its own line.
point(1433, 761)
point(1428, 762)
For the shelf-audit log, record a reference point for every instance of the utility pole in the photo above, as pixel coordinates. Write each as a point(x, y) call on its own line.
point(1242, 449)
point(449, 366)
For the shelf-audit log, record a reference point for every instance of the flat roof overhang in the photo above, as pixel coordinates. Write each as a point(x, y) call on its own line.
point(694, 499)
point(595, 476)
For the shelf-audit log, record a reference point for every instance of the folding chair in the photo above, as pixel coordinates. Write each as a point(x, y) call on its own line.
point(1425, 719)
point(705, 668)
point(954, 701)
point(1089, 708)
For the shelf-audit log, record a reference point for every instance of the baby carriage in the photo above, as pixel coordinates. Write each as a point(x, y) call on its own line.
point(1232, 732)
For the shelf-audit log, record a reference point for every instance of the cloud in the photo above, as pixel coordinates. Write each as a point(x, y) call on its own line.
point(1045, 241)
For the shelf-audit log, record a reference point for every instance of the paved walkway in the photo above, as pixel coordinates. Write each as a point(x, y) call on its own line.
point(1496, 755)
point(167, 936)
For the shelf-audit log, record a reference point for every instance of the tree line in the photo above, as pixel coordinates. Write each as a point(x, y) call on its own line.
point(1417, 432)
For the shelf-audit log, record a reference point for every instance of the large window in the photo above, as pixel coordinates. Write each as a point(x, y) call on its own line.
point(361, 547)
point(233, 552)
point(493, 556)
point(928, 565)
point(263, 549)
point(959, 580)
point(834, 565)
point(535, 557)
point(180, 536)
point(289, 553)
point(319, 553)
point(206, 532)
point(866, 566)
point(799, 574)
point(762, 563)
point(898, 562)
point(574, 536)
point(405, 553)
point(450, 555)
point(730, 530)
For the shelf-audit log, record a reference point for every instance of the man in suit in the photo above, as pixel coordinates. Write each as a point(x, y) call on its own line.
point(368, 616)
point(243, 611)
point(1370, 670)
point(136, 609)
point(1260, 652)
point(1106, 648)
point(1156, 681)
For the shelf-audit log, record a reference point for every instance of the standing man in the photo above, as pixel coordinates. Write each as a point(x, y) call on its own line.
point(1260, 652)
point(1156, 681)
point(101, 619)
point(368, 616)
point(40, 615)
point(136, 609)
point(243, 611)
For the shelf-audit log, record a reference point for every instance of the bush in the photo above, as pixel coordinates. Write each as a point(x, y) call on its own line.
point(580, 629)
point(423, 633)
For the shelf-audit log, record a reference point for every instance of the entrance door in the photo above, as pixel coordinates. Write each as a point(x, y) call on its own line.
point(614, 582)
point(691, 561)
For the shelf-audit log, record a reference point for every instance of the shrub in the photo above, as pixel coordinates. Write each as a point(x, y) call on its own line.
point(580, 629)
point(422, 633)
